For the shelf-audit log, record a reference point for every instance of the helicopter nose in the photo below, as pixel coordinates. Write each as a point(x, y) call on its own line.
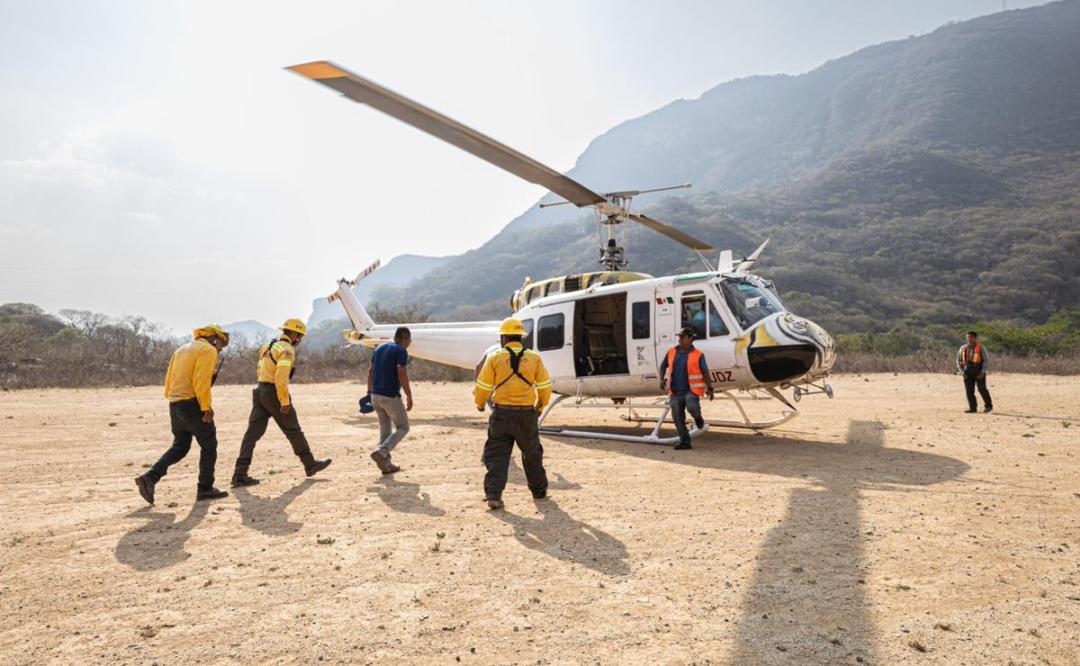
point(793, 348)
point(809, 332)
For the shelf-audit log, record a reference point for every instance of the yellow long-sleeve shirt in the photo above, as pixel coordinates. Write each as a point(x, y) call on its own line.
point(535, 390)
point(191, 373)
point(276, 362)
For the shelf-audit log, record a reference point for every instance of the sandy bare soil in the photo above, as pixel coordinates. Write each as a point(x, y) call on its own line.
point(884, 526)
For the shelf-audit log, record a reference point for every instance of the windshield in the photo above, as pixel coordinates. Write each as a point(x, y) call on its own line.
point(748, 302)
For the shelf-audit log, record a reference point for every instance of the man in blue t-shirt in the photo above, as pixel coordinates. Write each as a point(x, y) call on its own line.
point(388, 377)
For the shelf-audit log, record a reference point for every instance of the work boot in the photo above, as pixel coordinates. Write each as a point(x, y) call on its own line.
point(494, 503)
point(316, 466)
point(382, 459)
point(540, 495)
point(241, 480)
point(970, 411)
point(210, 493)
point(682, 447)
point(988, 409)
point(146, 487)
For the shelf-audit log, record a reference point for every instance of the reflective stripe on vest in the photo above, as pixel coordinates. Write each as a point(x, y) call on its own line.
point(693, 371)
point(973, 355)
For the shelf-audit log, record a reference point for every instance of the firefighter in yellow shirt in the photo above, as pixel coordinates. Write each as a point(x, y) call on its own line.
point(271, 400)
point(188, 382)
point(517, 382)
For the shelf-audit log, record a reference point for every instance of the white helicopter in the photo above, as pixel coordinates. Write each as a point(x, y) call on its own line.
point(603, 335)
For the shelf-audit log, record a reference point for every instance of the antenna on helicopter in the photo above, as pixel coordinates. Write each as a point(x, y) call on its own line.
point(611, 209)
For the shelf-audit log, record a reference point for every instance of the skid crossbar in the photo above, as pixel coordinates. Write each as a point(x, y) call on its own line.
point(654, 437)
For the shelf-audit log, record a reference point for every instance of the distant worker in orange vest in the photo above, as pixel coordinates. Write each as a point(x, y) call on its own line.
point(973, 361)
point(188, 385)
point(685, 378)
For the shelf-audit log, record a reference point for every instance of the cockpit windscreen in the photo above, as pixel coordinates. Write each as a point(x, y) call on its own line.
point(748, 302)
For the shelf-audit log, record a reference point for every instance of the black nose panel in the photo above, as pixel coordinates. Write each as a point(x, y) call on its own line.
point(775, 364)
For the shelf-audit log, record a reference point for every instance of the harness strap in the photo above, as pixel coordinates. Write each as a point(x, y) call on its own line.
point(515, 367)
point(269, 354)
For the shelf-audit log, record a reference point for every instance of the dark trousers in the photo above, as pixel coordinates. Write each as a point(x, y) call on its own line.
point(506, 426)
point(265, 406)
point(185, 418)
point(971, 381)
point(680, 402)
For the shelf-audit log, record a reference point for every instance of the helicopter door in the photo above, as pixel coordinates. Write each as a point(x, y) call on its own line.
point(712, 334)
point(664, 333)
point(554, 335)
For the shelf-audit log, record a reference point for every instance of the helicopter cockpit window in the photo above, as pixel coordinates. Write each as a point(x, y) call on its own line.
point(551, 332)
point(717, 328)
point(528, 339)
point(693, 312)
point(749, 303)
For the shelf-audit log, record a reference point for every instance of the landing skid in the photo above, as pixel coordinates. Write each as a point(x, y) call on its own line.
point(654, 437)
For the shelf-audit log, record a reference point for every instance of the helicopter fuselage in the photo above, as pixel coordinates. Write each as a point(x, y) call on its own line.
point(609, 340)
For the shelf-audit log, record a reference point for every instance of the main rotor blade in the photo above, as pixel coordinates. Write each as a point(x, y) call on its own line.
point(672, 233)
point(434, 123)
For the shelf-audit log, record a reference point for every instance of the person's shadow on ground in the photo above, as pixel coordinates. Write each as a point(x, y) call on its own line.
point(516, 476)
point(159, 543)
point(558, 534)
point(267, 514)
point(404, 497)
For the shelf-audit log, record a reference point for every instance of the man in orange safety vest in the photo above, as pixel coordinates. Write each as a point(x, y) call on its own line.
point(686, 378)
point(972, 361)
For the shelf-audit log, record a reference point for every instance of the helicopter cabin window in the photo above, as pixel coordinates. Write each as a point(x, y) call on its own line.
point(693, 312)
point(551, 332)
point(600, 336)
point(639, 320)
point(717, 328)
point(528, 339)
point(553, 287)
point(748, 302)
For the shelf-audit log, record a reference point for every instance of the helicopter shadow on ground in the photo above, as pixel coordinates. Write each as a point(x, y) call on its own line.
point(267, 514)
point(559, 535)
point(404, 497)
point(159, 543)
point(807, 599)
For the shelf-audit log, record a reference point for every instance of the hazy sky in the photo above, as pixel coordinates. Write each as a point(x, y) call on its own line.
point(155, 158)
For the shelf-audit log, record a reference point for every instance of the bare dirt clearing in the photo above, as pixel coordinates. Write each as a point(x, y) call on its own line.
point(883, 526)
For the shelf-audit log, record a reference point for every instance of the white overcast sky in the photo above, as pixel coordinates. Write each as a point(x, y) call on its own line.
point(156, 160)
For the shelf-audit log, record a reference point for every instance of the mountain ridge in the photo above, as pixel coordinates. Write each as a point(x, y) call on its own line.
point(978, 121)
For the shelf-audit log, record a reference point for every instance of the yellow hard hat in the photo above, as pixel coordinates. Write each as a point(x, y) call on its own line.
point(512, 327)
point(294, 325)
point(211, 329)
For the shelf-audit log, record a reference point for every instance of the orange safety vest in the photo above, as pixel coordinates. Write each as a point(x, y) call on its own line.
point(973, 355)
point(693, 371)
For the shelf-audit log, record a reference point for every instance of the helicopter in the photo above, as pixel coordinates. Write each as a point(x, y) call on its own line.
point(603, 335)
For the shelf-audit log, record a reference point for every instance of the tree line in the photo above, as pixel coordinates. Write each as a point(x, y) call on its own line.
point(80, 348)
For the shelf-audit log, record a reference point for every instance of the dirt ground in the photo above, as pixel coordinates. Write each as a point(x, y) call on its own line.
point(884, 526)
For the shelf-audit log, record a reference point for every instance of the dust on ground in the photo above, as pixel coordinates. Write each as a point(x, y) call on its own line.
point(884, 526)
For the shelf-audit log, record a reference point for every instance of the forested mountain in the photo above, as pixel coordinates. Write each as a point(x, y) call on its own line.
point(932, 179)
